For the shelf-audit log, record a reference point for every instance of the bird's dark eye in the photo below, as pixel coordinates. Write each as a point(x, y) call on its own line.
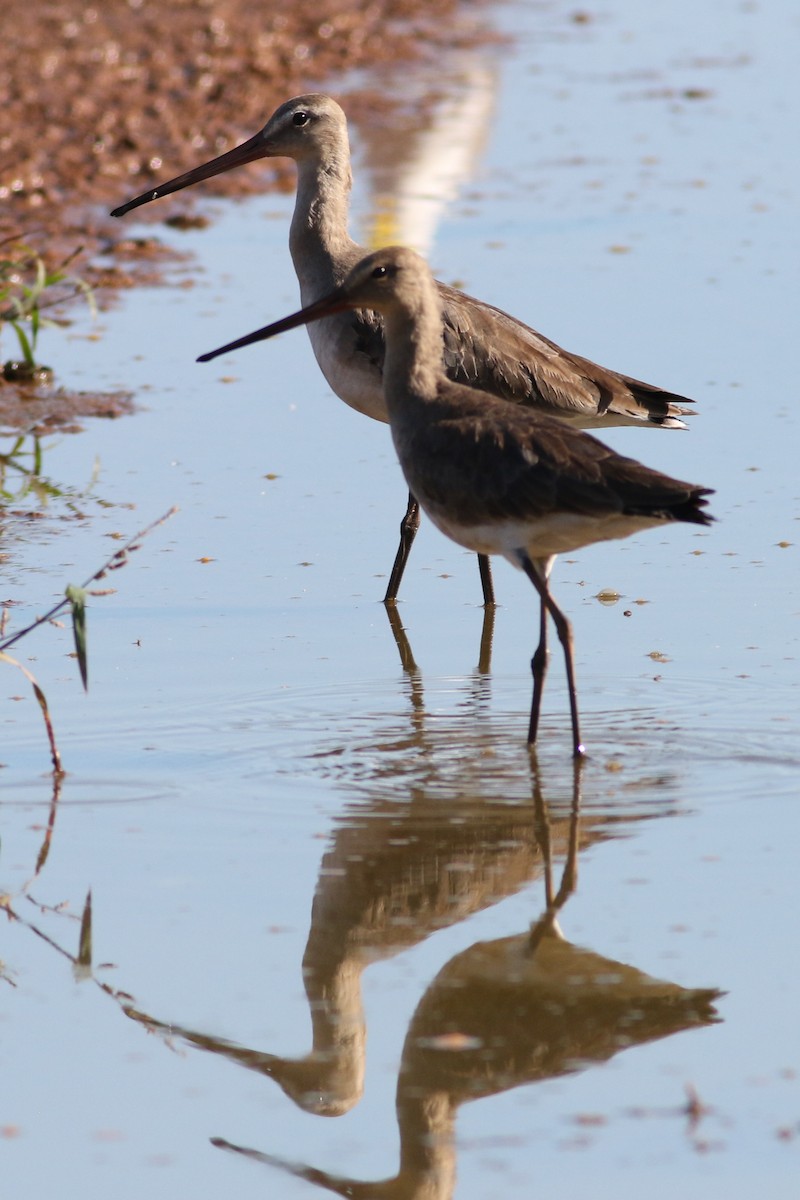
point(300, 118)
point(380, 273)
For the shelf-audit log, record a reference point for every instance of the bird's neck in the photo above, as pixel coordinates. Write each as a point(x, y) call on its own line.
point(413, 364)
point(321, 248)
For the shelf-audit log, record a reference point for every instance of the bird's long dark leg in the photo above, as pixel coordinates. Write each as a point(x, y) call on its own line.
point(539, 670)
point(408, 531)
point(537, 573)
point(485, 568)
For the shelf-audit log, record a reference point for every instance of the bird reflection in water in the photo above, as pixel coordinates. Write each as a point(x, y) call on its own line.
point(504, 1013)
point(394, 874)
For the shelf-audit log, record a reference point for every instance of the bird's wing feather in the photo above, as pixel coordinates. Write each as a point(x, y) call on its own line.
point(488, 349)
point(489, 459)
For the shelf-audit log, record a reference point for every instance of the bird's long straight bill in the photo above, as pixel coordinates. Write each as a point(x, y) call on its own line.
point(334, 302)
point(249, 151)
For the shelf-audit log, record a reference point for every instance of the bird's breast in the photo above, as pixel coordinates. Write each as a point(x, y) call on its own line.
point(349, 372)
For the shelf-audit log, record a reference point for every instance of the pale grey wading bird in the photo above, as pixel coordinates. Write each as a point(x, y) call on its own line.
point(484, 347)
point(495, 477)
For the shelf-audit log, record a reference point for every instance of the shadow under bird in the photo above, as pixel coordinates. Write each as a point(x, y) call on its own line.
point(494, 477)
point(480, 345)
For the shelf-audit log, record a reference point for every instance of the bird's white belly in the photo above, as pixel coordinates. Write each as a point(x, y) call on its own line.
point(350, 374)
point(560, 533)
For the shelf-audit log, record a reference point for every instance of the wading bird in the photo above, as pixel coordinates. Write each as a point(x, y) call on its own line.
point(494, 477)
point(483, 347)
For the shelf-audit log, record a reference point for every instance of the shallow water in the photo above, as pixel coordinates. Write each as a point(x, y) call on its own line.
point(256, 734)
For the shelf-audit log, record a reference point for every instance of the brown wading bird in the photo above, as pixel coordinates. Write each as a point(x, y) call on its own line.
point(484, 347)
point(495, 477)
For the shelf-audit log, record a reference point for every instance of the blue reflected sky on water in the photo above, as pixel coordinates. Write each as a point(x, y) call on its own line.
point(634, 200)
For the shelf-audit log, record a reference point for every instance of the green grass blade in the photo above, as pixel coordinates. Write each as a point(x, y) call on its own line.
point(77, 600)
point(85, 942)
point(25, 346)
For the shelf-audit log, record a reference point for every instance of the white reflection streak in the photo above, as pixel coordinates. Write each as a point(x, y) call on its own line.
point(416, 174)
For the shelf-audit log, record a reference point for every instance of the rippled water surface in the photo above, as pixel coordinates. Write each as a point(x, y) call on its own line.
point(319, 855)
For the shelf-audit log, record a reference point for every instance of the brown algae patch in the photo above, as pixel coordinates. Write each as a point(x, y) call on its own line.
point(28, 408)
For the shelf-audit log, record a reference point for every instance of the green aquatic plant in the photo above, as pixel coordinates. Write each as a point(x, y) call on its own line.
point(27, 288)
